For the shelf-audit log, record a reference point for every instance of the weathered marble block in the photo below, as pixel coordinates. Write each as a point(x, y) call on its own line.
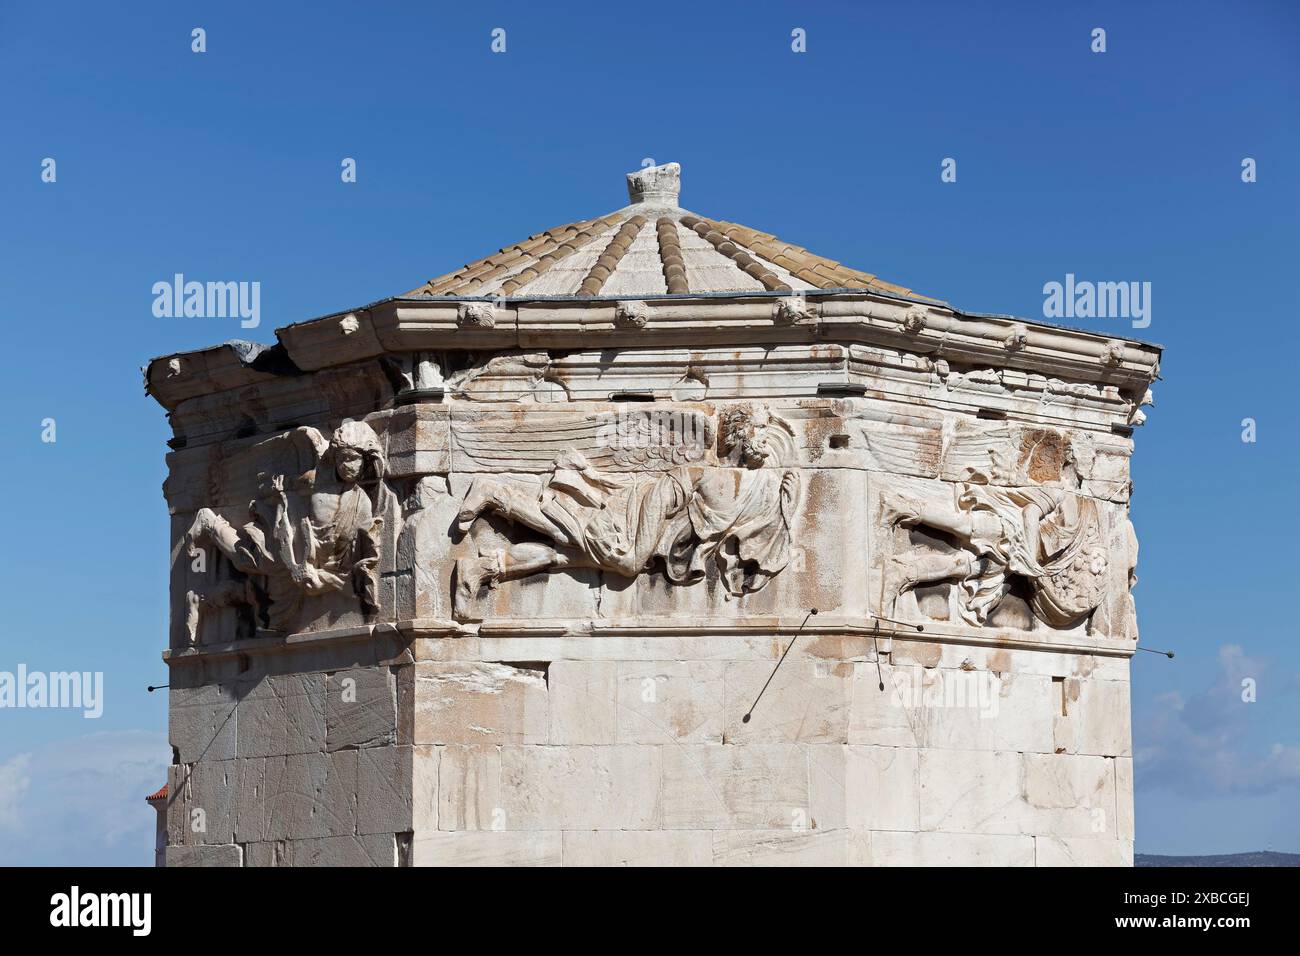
point(653, 540)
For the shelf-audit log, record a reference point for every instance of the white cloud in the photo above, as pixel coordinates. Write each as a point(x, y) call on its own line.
point(80, 801)
point(14, 780)
point(1196, 744)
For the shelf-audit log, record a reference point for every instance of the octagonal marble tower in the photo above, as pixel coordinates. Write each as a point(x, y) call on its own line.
point(653, 539)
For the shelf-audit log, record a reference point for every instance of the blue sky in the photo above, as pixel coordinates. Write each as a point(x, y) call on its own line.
point(1123, 165)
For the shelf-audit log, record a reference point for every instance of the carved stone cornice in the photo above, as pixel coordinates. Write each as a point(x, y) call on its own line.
point(905, 382)
point(406, 325)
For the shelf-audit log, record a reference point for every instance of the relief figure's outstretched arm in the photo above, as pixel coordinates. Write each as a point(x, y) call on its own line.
point(211, 527)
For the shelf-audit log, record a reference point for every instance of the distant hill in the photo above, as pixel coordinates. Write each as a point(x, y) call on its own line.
point(1258, 858)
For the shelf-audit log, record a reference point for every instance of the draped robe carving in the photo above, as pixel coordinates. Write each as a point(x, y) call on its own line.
point(1049, 536)
point(313, 528)
point(628, 523)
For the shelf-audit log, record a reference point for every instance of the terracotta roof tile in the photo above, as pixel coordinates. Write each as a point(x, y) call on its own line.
point(610, 258)
point(670, 253)
point(568, 247)
point(710, 232)
point(727, 256)
point(496, 264)
point(822, 272)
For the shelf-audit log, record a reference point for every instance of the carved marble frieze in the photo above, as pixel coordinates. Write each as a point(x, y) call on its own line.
point(528, 484)
point(1034, 554)
point(672, 520)
point(313, 529)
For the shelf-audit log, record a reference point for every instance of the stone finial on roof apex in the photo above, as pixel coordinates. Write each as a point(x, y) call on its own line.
point(660, 185)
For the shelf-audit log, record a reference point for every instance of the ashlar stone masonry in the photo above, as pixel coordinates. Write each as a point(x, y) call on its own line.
point(495, 571)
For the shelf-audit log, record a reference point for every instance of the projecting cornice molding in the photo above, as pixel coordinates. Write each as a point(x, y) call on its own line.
point(404, 325)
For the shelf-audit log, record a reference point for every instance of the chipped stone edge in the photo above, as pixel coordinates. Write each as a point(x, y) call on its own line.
point(404, 325)
point(310, 640)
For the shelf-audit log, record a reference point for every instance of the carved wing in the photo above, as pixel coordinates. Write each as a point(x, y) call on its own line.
point(911, 452)
point(243, 474)
point(617, 440)
point(660, 439)
point(289, 456)
point(521, 440)
point(980, 454)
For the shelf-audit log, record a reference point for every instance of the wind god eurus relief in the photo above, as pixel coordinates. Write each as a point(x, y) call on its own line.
point(313, 528)
point(1049, 537)
point(736, 515)
point(1045, 545)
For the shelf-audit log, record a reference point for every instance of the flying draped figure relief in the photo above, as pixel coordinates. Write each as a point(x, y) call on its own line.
point(1049, 536)
point(626, 523)
point(313, 528)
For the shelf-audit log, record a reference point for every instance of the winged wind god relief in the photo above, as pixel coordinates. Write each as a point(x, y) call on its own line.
point(675, 512)
point(313, 528)
point(1018, 555)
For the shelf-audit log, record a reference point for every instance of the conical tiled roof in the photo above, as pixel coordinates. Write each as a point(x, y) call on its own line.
point(651, 247)
point(654, 276)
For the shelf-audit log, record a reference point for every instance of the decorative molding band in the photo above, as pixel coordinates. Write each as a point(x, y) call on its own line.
point(407, 325)
point(404, 632)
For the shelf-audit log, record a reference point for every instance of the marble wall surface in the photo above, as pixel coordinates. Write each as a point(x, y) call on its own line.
point(794, 602)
